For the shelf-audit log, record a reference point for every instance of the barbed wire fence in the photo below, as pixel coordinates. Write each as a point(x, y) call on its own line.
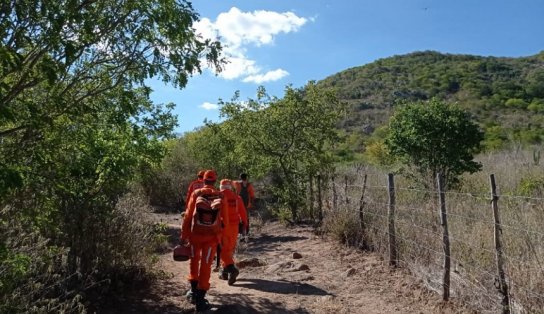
point(485, 249)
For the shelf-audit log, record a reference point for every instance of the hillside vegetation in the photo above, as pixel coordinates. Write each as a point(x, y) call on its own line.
point(506, 95)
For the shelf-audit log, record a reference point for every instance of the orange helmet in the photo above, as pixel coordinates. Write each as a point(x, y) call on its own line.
point(210, 175)
point(225, 184)
point(201, 174)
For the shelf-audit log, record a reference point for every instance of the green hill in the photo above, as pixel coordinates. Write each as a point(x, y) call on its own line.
point(505, 94)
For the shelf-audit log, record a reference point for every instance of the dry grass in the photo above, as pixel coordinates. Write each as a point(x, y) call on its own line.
point(36, 277)
point(471, 229)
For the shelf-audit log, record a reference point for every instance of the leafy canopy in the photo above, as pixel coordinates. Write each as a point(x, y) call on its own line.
point(435, 137)
point(77, 128)
point(286, 138)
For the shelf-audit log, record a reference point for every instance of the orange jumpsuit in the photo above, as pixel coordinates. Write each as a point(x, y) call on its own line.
point(203, 248)
point(236, 213)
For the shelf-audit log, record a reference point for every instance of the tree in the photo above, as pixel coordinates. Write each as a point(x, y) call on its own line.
point(435, 138)
point(287, 136)
point(76, 129)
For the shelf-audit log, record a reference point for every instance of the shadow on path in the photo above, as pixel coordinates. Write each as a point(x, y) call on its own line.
point(238, 303)
point(281, 287)
point(268, 243)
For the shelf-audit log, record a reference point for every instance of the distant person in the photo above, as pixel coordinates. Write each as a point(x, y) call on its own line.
point(194, 185)
point(202, 229)
point(246, 191)
point(237, 217)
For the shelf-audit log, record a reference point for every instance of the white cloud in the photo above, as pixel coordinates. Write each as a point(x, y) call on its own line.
point(209, 106)
point(268, 76)
point(258, 27)
point(239, 30)
point(238, 67)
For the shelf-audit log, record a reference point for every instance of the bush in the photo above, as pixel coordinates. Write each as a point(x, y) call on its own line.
point(344, 227)
point(531, 186)
point(32, 272)
point(516, 103)
point(166, 184)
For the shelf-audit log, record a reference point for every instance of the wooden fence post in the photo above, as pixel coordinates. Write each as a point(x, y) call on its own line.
point(346, 189)
point(319, 199)
point(362, 206)
point(311, 205)
point(445, 237)
point(334, 194)
point(391, 220)
point(503, 287)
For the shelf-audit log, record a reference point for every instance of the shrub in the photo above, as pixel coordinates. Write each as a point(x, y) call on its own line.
point(531, 186)
point(344, 227)
point(516, 103)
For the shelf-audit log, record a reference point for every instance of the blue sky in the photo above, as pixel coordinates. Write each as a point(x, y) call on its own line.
point(275, 43)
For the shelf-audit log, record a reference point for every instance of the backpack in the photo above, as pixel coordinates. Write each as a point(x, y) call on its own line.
point(206, 218)
point(244, 193)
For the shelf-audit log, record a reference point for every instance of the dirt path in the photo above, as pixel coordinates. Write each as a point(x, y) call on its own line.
point(328, 278)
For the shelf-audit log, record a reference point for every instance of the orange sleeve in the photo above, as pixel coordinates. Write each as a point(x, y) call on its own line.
point(241, 210)
point(188, 217)
point(188, 195)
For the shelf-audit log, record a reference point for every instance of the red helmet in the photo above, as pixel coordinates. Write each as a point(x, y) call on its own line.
point(210, 175)
point(201, 174)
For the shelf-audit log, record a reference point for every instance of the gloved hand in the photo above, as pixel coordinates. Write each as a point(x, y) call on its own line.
point(184, 242)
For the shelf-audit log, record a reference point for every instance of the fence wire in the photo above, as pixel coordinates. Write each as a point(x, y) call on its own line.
point(471, 234)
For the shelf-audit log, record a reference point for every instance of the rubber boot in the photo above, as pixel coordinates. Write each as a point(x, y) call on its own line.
point(233, 273)
point(191, 294)
point(223, 274)
point(202, 304)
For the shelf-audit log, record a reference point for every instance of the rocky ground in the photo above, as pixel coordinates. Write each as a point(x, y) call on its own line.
point(292, 270)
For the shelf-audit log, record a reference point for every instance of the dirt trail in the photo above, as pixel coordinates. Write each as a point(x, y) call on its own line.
point(328, 278)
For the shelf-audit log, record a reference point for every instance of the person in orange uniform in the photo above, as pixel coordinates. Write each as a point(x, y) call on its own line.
point(203, 243)
point(196, 184)
point(237, 213)
point(245, 190)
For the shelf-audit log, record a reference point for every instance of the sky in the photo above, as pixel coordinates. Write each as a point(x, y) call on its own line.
point(276, 43)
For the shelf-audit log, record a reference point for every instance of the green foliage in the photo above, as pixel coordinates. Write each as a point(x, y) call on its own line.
point(287, 136)
point(166, 183)
point(494, 138)
point(377, 154)
point(77, 128)
point(537, 106)
point(516, 103)
point(490, 88)
point(287, 139)
point(535, 83)
point(531, 186)
point(435, 138)
point(528, 136)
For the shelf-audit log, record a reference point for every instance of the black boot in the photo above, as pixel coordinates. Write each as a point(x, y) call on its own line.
point(201, 303)
point(223, 274)
point(191, 294)
point(233, 273)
